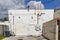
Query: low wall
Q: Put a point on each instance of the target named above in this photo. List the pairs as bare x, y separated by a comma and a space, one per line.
50, 30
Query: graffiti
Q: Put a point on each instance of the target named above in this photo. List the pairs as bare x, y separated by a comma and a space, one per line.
37, 28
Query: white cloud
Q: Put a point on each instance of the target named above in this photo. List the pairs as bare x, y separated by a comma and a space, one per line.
5, 5
33, 4
12, 4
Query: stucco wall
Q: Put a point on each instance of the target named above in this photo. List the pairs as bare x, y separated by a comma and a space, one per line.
50, 30
57, 13
24, 22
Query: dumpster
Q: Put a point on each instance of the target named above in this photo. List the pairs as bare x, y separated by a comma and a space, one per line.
7, 33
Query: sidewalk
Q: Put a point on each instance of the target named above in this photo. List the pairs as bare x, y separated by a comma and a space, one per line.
25, 38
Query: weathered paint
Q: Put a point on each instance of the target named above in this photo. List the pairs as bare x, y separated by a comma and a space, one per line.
25, 21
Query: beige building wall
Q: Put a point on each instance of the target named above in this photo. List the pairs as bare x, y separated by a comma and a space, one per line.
57, 13
50, 30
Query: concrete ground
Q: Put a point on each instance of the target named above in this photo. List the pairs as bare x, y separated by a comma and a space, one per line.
25, 38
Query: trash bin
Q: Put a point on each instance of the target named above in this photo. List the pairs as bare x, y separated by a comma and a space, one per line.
7, 33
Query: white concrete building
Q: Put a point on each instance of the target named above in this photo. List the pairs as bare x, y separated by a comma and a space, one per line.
24, 22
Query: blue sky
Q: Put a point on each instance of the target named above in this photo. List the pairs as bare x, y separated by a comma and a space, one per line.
49, 4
